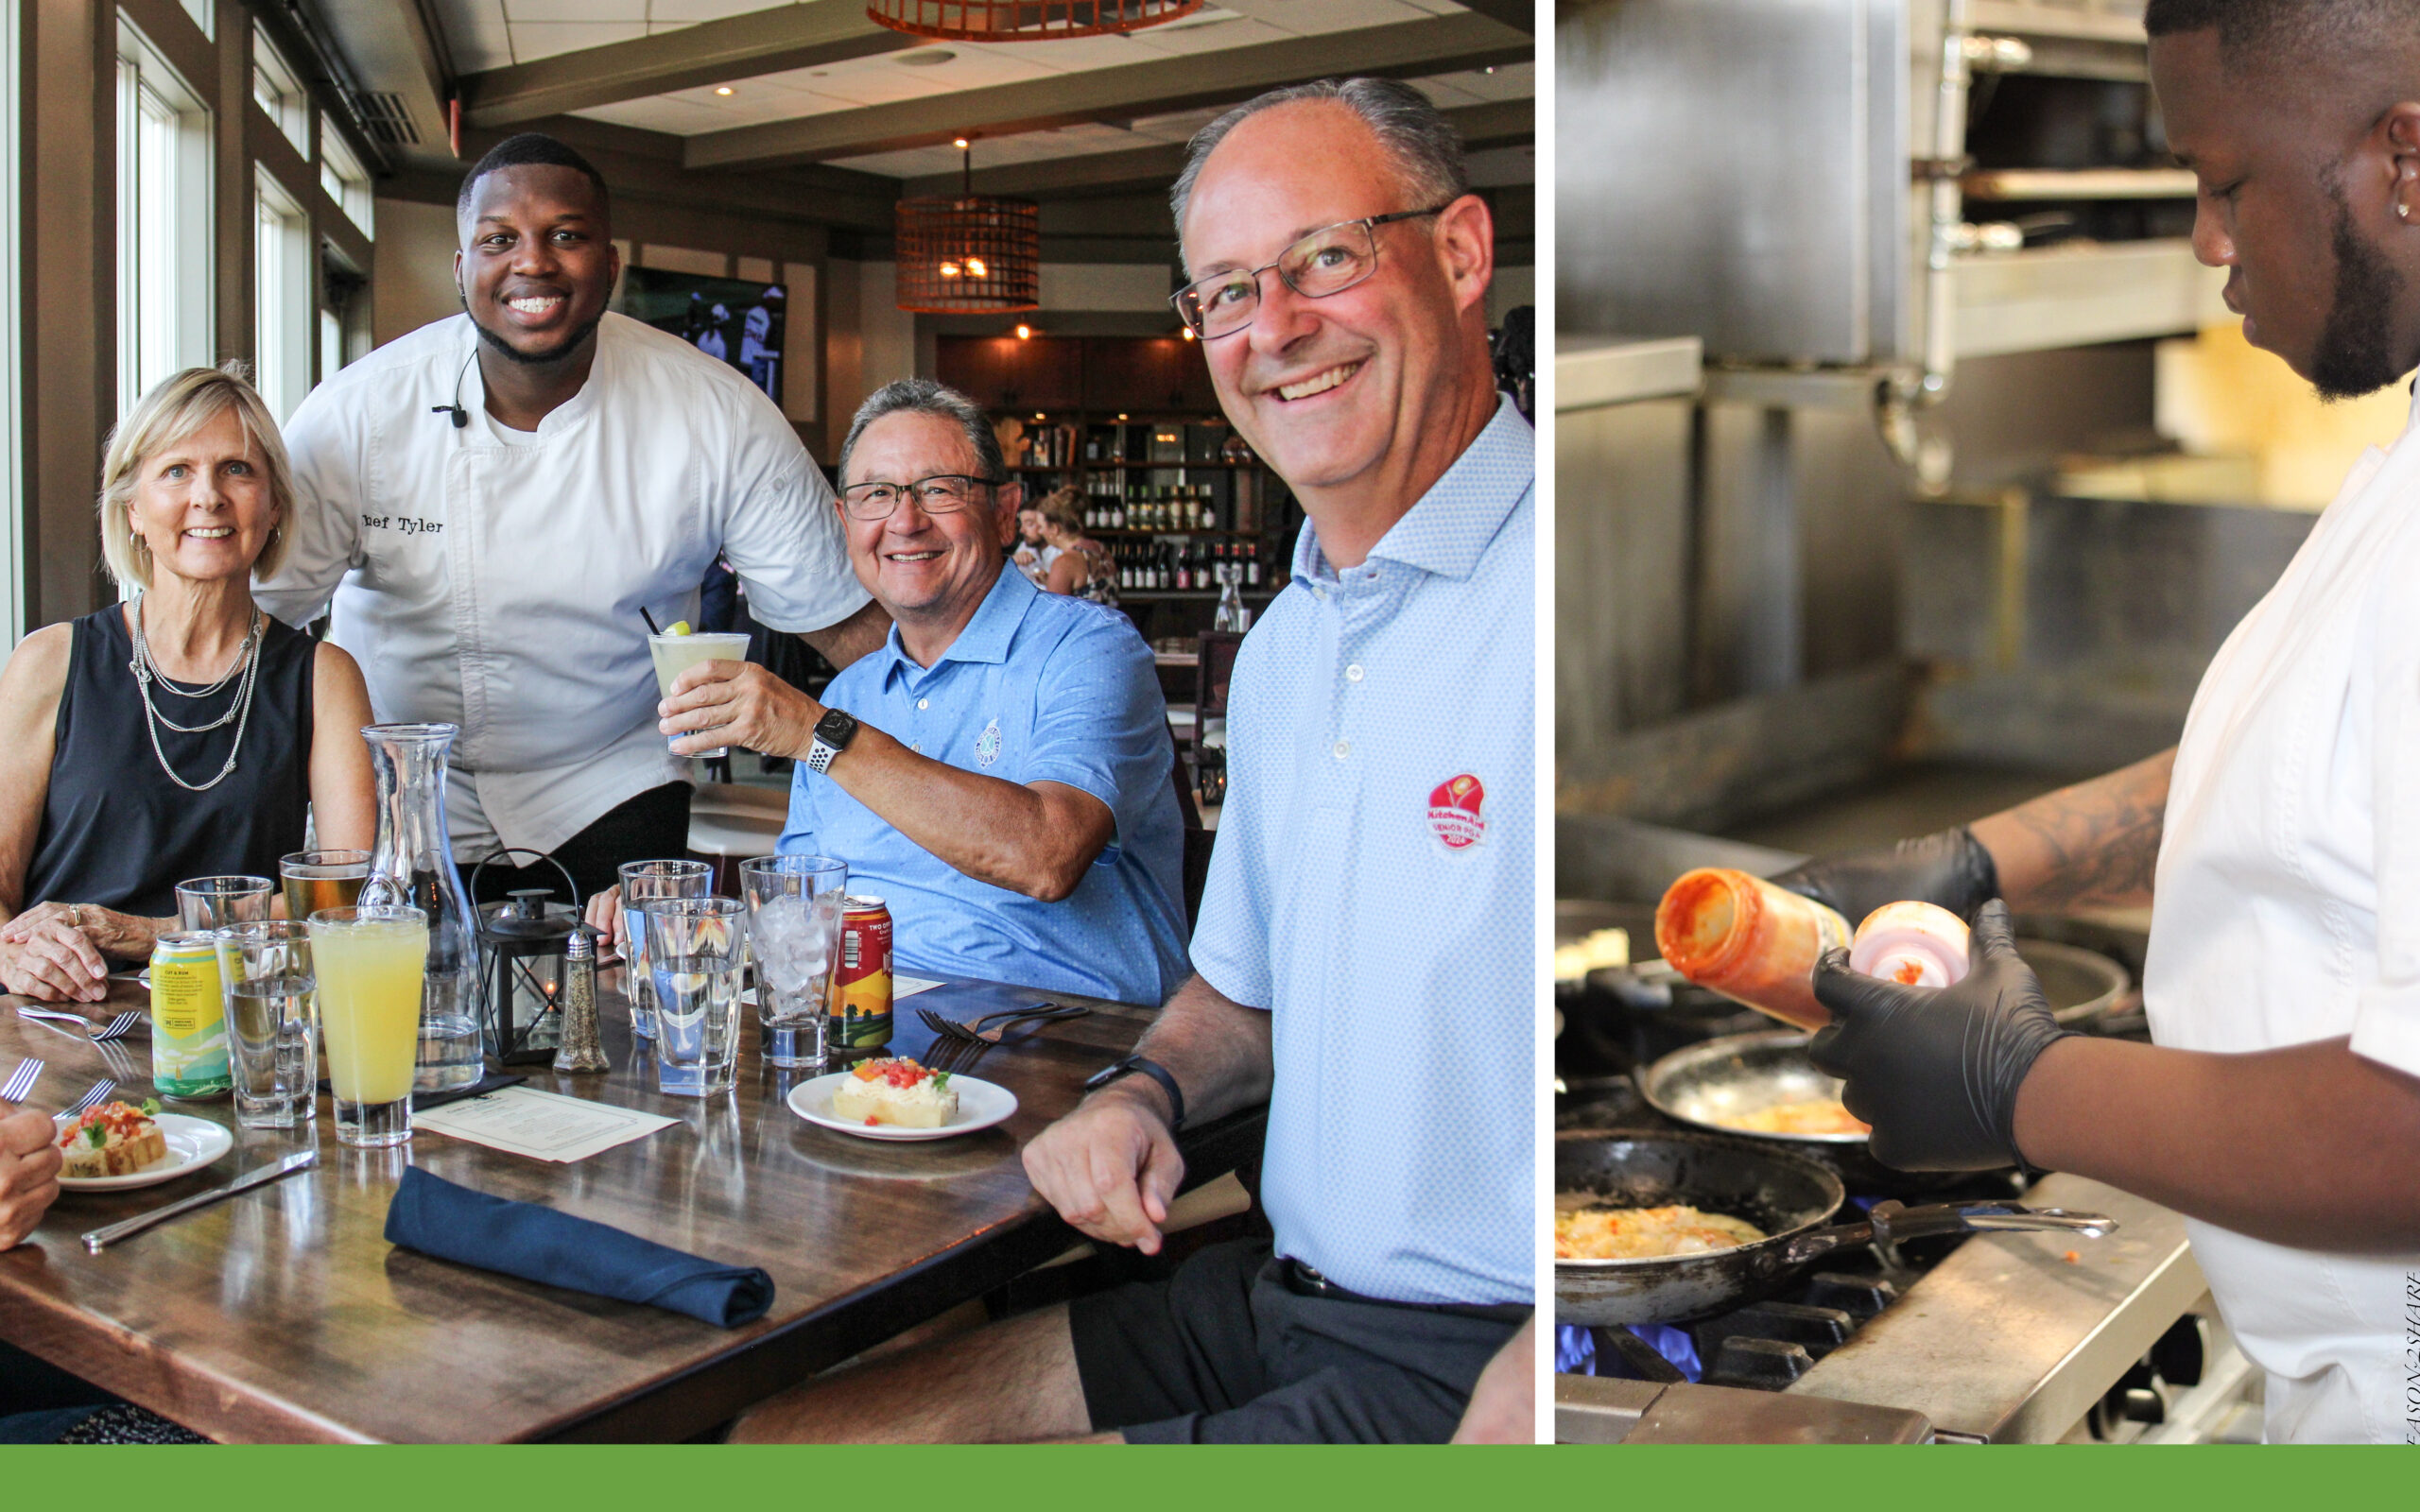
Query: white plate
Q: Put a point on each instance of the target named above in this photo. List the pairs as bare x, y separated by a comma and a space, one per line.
193, 1142
980, 1105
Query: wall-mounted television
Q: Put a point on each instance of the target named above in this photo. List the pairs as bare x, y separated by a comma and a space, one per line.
732, 320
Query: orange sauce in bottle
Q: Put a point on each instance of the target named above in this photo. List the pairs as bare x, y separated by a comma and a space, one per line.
1749, 940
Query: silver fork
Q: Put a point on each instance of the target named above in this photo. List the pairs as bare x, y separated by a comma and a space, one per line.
112, 1030
118, 1026
99, 1094
19, 1084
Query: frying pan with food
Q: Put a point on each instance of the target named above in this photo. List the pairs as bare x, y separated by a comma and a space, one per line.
1788, 1195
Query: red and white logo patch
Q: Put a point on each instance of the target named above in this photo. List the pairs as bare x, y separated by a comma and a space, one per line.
1454, 812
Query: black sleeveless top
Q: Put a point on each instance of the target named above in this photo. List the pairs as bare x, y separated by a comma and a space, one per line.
115, 832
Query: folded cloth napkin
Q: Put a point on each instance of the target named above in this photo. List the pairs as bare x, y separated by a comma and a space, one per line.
437, 1217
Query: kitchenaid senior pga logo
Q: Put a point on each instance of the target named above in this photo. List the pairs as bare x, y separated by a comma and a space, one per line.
1454, 814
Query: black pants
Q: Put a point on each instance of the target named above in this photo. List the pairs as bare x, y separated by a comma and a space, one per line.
1225, 1352
655, 826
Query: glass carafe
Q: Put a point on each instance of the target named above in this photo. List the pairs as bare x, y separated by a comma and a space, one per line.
412, 866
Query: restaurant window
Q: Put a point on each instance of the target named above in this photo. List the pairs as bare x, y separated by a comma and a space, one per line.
164, 220
344, 312
280, 298
12, 495
205, 15
280, 92
342, 177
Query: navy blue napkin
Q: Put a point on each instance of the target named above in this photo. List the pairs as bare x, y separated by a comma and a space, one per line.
437, 1217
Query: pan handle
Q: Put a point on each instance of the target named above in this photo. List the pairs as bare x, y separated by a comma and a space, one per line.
1893, 1222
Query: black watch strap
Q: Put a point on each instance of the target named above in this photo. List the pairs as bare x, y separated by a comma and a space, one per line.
1150, 1067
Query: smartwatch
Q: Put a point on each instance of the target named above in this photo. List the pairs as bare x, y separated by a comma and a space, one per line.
1150, 1067
833, 733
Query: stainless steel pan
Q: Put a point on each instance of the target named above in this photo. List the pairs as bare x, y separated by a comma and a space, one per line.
1789, 1197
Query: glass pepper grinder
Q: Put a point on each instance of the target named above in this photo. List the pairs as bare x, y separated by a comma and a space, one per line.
581, 1049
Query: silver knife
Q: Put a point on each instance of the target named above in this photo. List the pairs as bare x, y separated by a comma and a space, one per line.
101, 1239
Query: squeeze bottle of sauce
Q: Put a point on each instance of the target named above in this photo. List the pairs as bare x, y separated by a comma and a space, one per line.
1749, 940
1915, 944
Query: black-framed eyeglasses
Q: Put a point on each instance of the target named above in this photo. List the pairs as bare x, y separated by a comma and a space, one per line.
1328, 261
943, 493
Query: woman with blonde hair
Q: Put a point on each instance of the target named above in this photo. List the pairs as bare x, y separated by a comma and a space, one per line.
181, 734
1082, 568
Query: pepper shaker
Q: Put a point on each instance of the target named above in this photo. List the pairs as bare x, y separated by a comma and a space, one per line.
581, 1050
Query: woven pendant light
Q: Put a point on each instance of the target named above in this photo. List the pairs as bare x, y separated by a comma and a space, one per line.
1024, 19
975, 252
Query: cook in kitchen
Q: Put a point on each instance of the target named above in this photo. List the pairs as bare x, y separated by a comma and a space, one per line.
2278, 844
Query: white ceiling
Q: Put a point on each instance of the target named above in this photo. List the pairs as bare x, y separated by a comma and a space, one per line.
485, 34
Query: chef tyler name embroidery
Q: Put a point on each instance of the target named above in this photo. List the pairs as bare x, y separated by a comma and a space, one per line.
402, 523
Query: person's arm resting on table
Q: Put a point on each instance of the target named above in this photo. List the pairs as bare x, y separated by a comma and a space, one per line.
1111, 1167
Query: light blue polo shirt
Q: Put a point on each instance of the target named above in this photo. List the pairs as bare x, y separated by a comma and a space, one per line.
1038, 688
1374, 887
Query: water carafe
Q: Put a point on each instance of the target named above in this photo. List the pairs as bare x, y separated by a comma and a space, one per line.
413, 864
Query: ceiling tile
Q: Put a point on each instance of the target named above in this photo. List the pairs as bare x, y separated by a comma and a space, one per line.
1179, 42
533, 40
659, 116
1305, 17
518, 11
711, 9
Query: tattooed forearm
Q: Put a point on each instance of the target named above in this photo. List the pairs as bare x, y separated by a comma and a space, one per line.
2093, 844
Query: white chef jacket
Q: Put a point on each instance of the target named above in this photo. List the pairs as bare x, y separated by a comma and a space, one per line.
498, 586
2287, 910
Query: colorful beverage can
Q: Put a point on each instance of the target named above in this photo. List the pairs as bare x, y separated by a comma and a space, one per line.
188, 1018
861, 1015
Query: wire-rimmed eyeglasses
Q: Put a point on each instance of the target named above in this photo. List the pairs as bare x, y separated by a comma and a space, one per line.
942, 493
1328, 261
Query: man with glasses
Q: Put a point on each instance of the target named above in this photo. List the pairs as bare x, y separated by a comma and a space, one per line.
1364, 953
999, 773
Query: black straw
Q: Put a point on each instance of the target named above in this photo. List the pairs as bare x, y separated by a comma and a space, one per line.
651, 621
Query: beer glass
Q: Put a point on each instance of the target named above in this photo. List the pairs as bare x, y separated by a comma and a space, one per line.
315, 880
645, 881
372, 962
794, 905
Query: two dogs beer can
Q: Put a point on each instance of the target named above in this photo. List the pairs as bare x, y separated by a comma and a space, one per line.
189, 1018
861, 1017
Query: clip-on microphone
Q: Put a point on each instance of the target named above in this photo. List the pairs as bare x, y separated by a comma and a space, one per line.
461, 416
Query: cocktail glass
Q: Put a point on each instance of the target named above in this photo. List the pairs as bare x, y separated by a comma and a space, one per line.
215, 902
696, 949
794, 905
645, 881
676, 654
264, 969
370, 962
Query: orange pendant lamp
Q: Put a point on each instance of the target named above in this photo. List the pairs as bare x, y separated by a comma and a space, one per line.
1024, 19
972, 253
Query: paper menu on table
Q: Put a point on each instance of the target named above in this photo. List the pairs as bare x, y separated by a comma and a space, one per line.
907, 986
541, 1126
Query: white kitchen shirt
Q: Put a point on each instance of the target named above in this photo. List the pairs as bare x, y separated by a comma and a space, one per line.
2287, 910
498, 586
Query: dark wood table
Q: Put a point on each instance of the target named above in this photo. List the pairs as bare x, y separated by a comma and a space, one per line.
282, 1315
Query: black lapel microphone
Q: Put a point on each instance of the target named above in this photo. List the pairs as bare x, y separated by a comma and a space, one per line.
461, 416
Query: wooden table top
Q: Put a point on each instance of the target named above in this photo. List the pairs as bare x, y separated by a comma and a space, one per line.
282, 1315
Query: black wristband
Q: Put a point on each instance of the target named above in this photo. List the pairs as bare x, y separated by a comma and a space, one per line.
1150, 1067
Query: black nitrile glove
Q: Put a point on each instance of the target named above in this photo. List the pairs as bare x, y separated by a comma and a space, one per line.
1935, 1070
1950, 868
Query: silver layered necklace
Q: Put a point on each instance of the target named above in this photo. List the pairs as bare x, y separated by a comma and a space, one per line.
239, 711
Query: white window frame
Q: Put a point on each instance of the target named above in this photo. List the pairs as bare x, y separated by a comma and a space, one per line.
280, 92
12, 471
205, 15
282, 303
164, 219
343, 177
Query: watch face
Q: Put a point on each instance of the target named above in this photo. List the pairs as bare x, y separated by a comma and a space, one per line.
835, 729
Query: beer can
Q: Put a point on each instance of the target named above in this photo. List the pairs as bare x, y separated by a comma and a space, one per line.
861, 1018
188, 1018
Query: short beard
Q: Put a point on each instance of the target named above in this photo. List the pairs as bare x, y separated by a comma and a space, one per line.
535, 359
2356, 354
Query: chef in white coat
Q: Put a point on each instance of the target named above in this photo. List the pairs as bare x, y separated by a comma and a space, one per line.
2278, 845
500, 494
